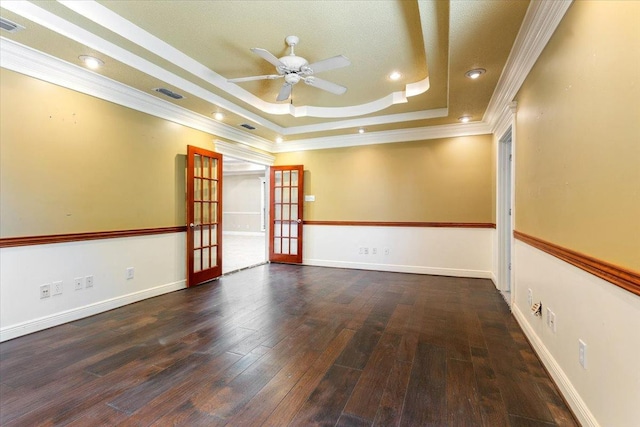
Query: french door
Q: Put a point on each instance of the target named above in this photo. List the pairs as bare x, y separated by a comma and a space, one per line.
285, 219
204, 215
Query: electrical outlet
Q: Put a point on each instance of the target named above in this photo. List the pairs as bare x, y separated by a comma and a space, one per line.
77, 283
529, 297
582, 353
548, 317
45, 291
361, 250
57, 288
130, 273
366, 251
386, 251
88, 282
552, 322
374, 251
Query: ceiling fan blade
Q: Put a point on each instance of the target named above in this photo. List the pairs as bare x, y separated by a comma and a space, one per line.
249, 79
329, 64
325, 85
285, 92
268, 56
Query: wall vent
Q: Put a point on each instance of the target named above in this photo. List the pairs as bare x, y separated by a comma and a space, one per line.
247, 126
169, 93
10, 26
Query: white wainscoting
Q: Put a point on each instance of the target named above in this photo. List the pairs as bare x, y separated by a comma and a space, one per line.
461, 252
159, 262
604, 316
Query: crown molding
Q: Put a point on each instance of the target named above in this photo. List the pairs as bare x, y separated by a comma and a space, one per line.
242, 152
539, 24
33, 63
386, 137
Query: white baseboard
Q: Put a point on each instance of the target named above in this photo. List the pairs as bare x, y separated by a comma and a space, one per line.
579, 407
453, 272
46, 322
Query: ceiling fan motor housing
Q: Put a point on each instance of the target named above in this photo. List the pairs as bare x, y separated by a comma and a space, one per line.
292, 64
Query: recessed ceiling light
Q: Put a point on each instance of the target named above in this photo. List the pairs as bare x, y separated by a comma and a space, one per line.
475, 73
395, 75
91, 62
218, 116
361, 130
464, 119
279, 140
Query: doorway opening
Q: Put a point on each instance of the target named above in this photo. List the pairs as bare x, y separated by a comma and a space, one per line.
243, 216
505, 215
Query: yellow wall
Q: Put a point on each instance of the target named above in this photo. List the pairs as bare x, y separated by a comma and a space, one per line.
440, 180
578, 135
73, 163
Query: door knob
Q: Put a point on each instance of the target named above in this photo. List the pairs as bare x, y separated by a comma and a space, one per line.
299, 221
192, 225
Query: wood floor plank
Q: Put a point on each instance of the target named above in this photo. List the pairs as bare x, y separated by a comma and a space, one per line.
463, 403
492, 406
367, 394
391, 405
425, 402
325, 404
287, 409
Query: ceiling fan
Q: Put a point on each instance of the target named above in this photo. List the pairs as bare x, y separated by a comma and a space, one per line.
294, 68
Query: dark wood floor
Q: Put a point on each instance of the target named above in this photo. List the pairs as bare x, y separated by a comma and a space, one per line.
287, 345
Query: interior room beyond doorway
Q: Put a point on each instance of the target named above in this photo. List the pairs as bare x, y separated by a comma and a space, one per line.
243, 214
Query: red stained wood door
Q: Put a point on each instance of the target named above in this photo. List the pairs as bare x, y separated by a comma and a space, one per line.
285, 219
204, 215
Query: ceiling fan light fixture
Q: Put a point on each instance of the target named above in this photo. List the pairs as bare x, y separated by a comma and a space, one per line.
465, 119
395, 75
361, 130
91, 62
279, 140
218, 116
475, 73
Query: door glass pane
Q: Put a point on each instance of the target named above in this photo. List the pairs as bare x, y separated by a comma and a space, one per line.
294, 194
197, 189
294, 247
278, 180
214, 191
285, 195
214, 234
197, 240
197, 165
285, 246
206, 170
206, 195
197, 260
214, 213
286, 180
277, 245
294, 178
277, 229
277, 195
285, 212
206, 231
206, 260
294, 212
294, 229
206, 207
214, 168
278, 211
285, 229
197, 209
214, 256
